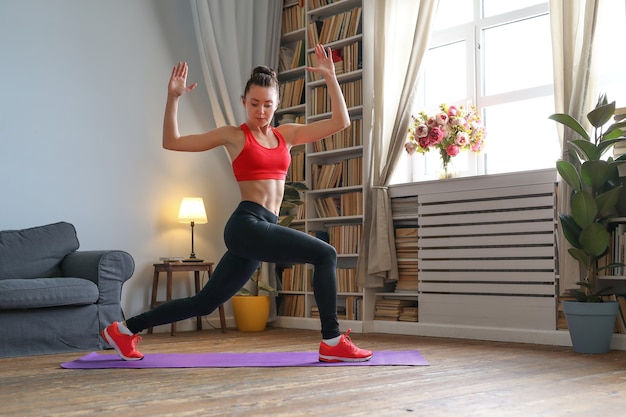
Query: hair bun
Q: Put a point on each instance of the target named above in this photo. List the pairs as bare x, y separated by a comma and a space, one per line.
262, 69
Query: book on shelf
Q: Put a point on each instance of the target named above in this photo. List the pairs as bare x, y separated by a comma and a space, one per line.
284, 281
392, 309
345, 204
353, 308
320, 101
346, 138
407, 283
351, 204
336, 27
312, 32
346, 173
298, 118
345, 238
409, 314
291, 93
406, 254
293, 16
296, 169
327, 207
616, 253
341, 312
292, 279
346, 280
291, 56
316, 4
291, 305
404, 206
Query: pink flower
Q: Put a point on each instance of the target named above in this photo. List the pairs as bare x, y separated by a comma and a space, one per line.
410, 148
453, 150
452, 111
421, 131
424, 142
441, 118
436, 135
477, 146
461, 139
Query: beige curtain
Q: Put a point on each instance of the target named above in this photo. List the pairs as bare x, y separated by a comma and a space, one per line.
396, 63
234, 37
573, 26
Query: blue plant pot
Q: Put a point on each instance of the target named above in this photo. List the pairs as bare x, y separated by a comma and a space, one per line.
591, 325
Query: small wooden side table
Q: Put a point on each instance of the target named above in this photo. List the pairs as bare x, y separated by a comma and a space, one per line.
169, 268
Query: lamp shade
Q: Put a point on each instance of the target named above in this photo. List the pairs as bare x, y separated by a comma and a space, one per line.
192, 210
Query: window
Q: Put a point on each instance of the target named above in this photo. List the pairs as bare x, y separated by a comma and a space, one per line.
611, 59
497, 56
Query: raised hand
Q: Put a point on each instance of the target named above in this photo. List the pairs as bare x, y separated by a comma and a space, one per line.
324, 58
178, 81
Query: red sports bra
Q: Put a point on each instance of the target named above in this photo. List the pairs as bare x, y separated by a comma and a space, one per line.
256, 162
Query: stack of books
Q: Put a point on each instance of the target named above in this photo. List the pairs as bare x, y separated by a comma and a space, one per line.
391, 310
404, 206
406, 253
409, 314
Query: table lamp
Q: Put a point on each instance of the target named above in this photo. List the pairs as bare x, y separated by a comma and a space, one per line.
192, 211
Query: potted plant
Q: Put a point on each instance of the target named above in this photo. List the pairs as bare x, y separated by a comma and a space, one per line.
251, 304
595, 194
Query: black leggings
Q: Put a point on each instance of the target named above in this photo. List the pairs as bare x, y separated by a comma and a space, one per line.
251, 236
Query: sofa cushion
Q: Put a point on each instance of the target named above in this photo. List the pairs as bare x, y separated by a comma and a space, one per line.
36, 252
46, 292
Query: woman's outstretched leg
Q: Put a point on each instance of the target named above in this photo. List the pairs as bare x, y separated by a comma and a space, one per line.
230, 274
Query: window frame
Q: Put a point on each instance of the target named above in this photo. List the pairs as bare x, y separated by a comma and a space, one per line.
472, 33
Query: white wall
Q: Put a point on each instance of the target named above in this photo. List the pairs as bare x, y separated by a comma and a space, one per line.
82, 92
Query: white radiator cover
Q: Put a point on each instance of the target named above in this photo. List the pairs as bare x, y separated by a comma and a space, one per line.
487, 252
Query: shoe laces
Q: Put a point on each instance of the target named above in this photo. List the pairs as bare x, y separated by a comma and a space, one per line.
347, 337
134, 340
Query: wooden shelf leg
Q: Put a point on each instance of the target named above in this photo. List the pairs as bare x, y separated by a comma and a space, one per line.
168, 297
155, 288
196, 276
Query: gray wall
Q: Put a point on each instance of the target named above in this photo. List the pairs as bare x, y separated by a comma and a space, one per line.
82, 93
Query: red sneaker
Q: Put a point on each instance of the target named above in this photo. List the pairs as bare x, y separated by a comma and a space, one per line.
122, 343
345, 351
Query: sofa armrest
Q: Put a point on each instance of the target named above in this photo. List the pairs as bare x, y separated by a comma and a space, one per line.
108, 269
99, 266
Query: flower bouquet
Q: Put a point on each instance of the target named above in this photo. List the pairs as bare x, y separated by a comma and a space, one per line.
450, 131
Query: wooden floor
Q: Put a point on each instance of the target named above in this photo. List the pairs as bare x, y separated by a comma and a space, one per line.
465, 378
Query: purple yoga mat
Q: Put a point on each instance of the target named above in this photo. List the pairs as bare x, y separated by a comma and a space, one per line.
96, 360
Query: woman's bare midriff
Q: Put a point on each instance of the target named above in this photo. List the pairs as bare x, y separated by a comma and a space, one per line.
268, 193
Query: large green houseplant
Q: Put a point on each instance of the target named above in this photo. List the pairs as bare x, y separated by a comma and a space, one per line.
596, 188
596, 191
251, 308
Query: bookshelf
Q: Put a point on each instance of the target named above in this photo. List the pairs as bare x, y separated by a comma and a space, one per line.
333, 168
615, 278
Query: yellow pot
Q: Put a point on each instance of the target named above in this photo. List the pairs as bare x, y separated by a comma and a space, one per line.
251, 312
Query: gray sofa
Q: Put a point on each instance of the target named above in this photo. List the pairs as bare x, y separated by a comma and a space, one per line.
54, 298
